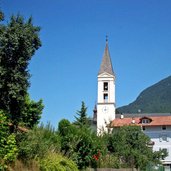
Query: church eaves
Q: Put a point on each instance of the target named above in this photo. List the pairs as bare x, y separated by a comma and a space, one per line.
106, 65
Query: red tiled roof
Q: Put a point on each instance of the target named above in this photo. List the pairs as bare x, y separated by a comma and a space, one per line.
155, 121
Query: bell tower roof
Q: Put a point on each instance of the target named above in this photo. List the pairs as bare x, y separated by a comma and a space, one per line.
106, 64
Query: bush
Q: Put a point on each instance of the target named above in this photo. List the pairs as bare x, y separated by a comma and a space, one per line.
8, 148
38, 142
57, 162
80, 144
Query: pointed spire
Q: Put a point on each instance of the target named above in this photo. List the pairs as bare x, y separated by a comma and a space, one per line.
106, 65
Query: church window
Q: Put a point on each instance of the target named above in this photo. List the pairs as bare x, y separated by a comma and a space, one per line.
105, 86
105, 97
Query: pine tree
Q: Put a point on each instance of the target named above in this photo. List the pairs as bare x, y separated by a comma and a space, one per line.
82, 119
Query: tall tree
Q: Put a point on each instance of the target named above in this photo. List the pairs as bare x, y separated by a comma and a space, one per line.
19, 40
82, 118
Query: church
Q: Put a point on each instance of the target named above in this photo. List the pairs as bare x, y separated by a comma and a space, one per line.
155, 125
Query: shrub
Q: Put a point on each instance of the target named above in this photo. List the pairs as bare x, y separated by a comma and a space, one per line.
57, 162
80, 144
37, 142
8, 147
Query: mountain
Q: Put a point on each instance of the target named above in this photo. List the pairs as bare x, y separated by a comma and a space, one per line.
154, 99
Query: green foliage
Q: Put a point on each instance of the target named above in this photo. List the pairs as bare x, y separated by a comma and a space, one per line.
129, 144
57, 162
159, 155
64, 127
89, 149
154, 99
38, 142
3, 126
82, 118
109, 160
8, 148
18, 42
31, 112
69, 137
81, 145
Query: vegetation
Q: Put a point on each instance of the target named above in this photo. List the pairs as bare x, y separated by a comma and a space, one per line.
155, 99
37, 143
82, 145
57, 162
18, 42
25, 145
82, 118
8, 148
130, 145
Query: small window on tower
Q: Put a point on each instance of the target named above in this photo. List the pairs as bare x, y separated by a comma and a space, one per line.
105, 86
105, 97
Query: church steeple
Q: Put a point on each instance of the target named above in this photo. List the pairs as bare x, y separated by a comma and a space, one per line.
105, 93
106, 65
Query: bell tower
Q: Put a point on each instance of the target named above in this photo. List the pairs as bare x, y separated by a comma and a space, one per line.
106, 93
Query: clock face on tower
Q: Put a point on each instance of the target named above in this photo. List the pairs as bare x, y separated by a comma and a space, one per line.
105, 109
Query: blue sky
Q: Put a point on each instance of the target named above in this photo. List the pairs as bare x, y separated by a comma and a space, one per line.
64, 70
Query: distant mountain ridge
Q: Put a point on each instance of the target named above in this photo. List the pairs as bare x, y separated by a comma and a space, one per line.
154, 99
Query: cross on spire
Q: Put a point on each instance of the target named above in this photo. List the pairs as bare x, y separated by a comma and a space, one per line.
106, 38
106, 65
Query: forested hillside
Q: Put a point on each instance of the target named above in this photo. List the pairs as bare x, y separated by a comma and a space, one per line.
154, 99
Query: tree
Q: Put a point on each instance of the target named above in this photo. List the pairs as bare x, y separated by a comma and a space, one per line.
130, 145
81, 145
64, 127
69, 137
82, 119
18, 42
88, 148
31, 112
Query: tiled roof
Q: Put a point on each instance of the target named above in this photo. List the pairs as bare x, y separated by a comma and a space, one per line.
106, 65
136, 115
154, 121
